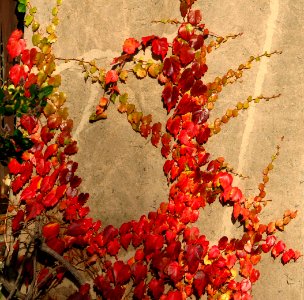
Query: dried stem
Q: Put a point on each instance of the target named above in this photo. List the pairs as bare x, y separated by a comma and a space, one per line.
64, 262
10, 287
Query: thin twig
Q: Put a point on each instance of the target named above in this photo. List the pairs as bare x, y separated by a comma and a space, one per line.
9, 287
16, 285
64, 262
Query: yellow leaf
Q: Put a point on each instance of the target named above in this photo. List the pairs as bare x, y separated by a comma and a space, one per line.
123, 75
49, 109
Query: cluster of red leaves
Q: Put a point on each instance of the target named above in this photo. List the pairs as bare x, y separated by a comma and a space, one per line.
172, 259
168, 249
16, 47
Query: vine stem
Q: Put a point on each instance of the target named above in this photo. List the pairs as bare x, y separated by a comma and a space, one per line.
72, 59
16, 285
64, 262
11, 287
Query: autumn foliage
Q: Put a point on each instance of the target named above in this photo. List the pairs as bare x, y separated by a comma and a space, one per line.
170, 259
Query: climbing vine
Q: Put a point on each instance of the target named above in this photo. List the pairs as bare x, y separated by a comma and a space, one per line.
49, 235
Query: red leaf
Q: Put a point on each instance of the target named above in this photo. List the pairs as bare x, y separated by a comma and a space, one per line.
198, 69
183, 8
199, 283
194, 17
167, 166
270, 240
160, 47
49, 181
17, 184
170, 96
139, 254
122, 272
139, 272
186, 54
50, 151
14, 166
50, 230
287, 256
46, 134
28, 57
60, 191
174, 295
222, 244
56, 244
235, 194
236, 210
186, 80
125, 228
130, 46
197, 41
153, 242
35, 210
198, 89
109, 233
140, 290
50, 199
111, 76
125, 240
174, 271
79, 227
156, 287
223, 179
184, 138
18, 220
278, 249
43, 277
30, 123
15, 43
18, 74
171, 67
31, 190
245, 285
173, 248
156, 128
193, 255
147, 39
54, 121
203, 135
214, 252
71, 148
120, 59
75, 182
185, 31
43, 167
173, 125
32, 79
113, 247
165, 150
200, 116
254, 276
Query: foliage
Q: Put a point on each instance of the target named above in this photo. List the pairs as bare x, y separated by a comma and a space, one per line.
49, 215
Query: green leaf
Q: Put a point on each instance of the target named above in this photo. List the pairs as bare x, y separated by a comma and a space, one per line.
44, 92
21, 8
28, 20
33, 10
113, 97
123, 99
36, 39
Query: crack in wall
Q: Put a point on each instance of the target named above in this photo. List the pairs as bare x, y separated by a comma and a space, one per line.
262, 71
